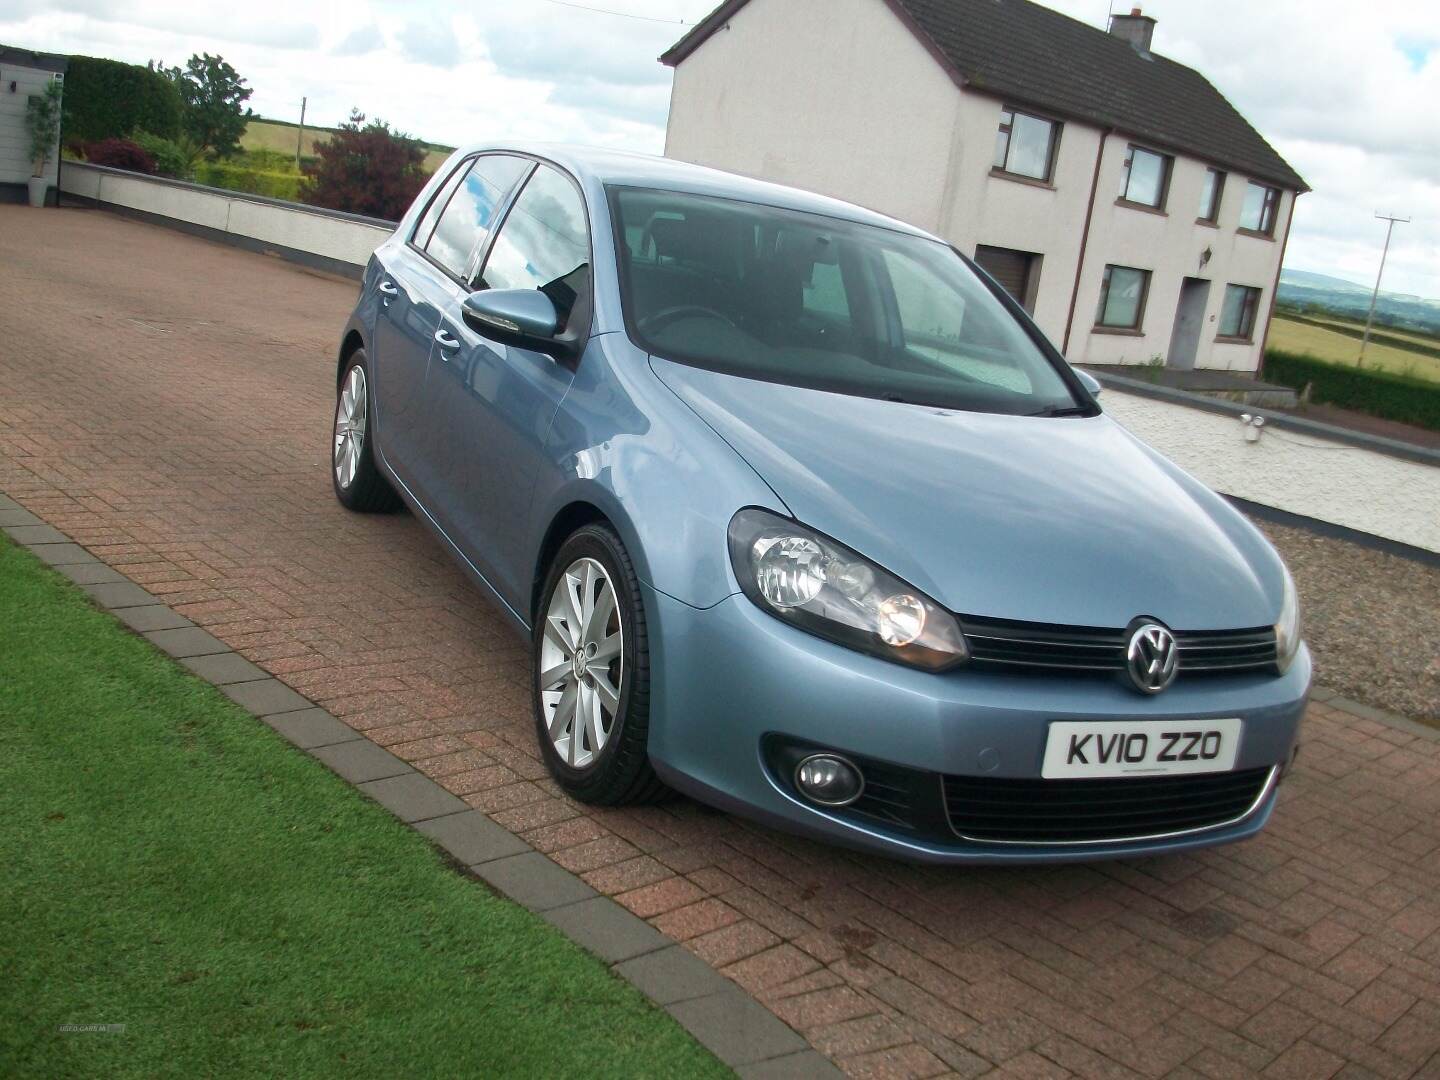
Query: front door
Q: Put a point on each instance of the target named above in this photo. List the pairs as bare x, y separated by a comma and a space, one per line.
501, 399
1189, 320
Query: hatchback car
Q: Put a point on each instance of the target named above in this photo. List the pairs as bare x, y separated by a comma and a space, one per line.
804, 517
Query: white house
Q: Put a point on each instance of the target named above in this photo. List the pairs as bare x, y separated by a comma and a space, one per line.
1117, 194
22, 74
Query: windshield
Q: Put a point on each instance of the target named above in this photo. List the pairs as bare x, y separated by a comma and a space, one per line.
820, 302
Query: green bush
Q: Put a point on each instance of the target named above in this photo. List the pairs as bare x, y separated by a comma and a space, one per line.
105, 99
171, 158
240, 177
267, 160
1379, 393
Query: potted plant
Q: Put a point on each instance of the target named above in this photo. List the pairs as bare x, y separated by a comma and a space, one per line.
42, 121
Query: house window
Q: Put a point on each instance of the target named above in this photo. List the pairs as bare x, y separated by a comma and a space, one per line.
1017, 272
1210, 196
1025, 145
1146, 178
1261, 205
1122, 298
1237, 316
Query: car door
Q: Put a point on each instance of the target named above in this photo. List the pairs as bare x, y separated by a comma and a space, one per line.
502, 398
438, 268
405, 327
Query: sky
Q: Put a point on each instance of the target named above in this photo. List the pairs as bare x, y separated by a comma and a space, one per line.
1348, 92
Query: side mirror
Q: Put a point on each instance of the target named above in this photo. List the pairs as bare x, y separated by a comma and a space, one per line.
524, 317
1090, 382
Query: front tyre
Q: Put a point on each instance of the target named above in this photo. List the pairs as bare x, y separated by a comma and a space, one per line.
591, 667
353, 472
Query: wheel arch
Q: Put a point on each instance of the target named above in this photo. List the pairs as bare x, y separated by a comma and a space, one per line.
352, 343
566, 521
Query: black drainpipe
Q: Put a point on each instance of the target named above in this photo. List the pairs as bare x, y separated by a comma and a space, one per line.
1085, 236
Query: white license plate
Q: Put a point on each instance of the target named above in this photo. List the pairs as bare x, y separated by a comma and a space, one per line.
1140, 747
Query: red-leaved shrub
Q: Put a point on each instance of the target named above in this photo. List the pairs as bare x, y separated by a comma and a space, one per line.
120, 154
366, 169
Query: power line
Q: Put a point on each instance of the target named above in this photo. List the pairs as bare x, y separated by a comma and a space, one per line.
621, 14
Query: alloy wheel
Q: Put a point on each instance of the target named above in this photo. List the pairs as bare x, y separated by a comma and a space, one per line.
581, 663
350, 414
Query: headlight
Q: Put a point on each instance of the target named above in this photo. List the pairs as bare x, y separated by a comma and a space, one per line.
1287, 627
807, 579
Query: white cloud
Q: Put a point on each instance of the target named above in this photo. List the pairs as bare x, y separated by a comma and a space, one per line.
1345, 90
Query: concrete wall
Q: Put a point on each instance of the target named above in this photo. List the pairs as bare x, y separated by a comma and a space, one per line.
15, 164
1358, 488
330, 240
838, 96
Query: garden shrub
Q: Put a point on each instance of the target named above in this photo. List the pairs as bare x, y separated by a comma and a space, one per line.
1379, 393
242, 177
107, 99
171, 158
120, 154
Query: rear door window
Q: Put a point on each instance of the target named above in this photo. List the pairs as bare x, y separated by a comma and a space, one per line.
426, 228
470, 214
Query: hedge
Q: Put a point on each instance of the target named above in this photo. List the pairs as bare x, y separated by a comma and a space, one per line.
105, 99
1379, 393
223, 174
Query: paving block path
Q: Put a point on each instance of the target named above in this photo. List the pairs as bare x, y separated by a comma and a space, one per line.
165, 403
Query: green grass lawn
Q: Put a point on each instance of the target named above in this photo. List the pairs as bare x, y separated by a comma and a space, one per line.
170, 864
1289, 335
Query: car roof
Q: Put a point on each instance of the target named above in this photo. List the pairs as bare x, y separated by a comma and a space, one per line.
625, 168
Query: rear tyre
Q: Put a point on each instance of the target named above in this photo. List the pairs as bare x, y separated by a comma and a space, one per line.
353, 472
591, 674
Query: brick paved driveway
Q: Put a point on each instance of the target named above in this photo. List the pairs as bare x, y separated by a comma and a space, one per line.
167, 402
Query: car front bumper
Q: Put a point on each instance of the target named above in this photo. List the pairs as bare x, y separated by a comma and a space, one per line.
730, 682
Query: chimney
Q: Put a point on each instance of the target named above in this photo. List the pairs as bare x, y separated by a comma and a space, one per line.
1136, 28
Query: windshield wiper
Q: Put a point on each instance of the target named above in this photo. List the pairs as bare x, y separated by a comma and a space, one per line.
1062, 410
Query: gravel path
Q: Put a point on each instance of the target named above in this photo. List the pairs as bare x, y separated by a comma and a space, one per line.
1372, 621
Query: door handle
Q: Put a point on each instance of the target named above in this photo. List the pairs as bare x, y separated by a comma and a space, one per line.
387, 288
446, 339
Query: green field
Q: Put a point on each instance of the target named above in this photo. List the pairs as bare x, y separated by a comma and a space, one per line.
279, 135
1291, 336
185, 894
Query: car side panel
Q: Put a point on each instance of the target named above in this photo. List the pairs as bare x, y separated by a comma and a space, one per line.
624, 443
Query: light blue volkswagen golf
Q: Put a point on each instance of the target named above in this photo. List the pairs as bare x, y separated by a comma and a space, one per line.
805, 518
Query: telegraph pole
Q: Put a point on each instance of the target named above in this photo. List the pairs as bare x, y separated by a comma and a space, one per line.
300, 137
1370, 319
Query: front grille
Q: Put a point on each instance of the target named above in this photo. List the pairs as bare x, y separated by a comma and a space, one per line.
1027, 811
1005, 645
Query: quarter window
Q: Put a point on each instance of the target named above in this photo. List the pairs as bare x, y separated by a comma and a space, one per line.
468, 217
1210, 196
1122, 298
1237, 316
1261, 205
1025, 145
544, 244
1146, 177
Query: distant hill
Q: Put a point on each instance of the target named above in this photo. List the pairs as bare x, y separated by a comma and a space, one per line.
1305, 290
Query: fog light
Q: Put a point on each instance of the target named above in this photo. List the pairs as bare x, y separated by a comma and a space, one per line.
829, 780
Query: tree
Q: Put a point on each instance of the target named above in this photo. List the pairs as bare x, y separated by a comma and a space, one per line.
42, 123
365, 168
214, 97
